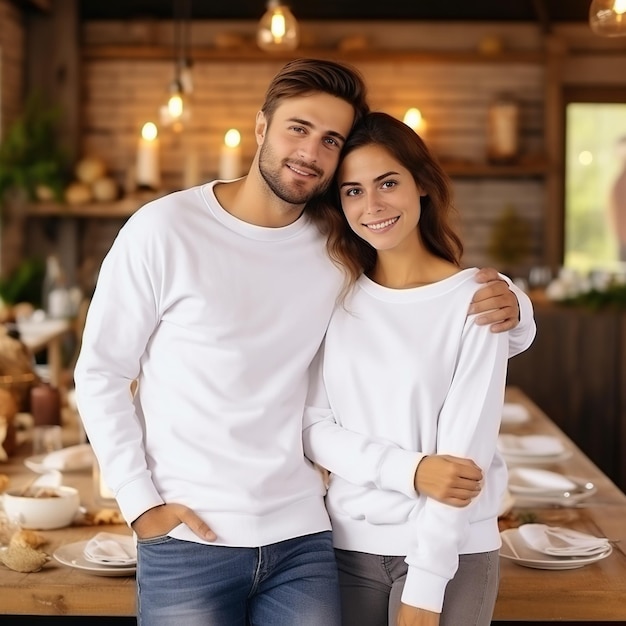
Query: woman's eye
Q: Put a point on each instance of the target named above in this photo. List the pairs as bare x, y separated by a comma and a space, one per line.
388, 184
353, 192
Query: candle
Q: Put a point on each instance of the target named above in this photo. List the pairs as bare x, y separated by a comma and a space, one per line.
147, 173
413, 118
230, 156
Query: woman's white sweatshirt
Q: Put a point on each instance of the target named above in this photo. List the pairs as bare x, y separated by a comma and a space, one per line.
402, 374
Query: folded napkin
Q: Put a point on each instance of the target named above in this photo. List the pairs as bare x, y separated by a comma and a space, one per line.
70, 458
514, 413
529, 445
558, 541
111, 549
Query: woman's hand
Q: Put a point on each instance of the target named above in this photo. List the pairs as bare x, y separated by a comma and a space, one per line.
448, 479
496, 301
159, 520
414, 616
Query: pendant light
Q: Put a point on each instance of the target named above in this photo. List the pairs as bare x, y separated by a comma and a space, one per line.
177, 110
278, 28
607, 18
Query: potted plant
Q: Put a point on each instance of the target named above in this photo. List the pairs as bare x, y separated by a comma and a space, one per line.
30, 160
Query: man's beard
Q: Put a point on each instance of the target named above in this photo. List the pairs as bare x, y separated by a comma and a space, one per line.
292, 194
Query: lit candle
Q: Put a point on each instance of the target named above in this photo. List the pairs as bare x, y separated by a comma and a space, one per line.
230, 156
413, 118
148, 174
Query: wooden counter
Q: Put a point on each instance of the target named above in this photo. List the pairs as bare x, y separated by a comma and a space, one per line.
595, 593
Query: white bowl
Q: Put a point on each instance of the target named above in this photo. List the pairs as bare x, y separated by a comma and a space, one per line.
42, 513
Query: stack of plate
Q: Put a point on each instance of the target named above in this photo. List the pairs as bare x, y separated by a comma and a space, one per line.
552, 547
532, 449
530, 486
106, 554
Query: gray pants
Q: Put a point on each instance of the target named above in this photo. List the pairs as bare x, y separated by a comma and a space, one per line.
371, 588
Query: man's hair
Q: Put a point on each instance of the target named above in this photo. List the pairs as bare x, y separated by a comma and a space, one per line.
305, 76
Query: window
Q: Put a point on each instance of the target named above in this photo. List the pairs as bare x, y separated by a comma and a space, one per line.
595, 183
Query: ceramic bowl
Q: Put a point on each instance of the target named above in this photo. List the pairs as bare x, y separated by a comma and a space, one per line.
55, 509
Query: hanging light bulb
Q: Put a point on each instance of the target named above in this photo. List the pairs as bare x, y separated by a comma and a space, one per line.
176, 112
278, 28
607, 18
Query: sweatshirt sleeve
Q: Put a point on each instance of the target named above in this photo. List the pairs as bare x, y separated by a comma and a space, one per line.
522, 336
121, 318
468, 427
380, 464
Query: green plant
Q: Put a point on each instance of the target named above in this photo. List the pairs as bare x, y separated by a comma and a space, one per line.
510, 240
30, 155
25, 284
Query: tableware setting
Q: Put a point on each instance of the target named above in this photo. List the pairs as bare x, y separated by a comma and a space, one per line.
535, 450
540, 546
538, 486
514, 413
70, 459
105, 554
41, 507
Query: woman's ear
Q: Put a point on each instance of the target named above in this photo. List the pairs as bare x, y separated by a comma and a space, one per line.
260, 127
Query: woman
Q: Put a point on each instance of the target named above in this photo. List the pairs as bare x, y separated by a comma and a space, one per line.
405, 373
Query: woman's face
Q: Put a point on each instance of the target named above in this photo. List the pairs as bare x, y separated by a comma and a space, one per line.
379, 198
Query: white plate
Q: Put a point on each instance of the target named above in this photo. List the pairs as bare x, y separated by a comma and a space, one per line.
529, 445
514, 460
513, 413
527, 480
515, 549
72, 555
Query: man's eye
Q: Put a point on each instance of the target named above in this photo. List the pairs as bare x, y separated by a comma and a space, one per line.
332, 141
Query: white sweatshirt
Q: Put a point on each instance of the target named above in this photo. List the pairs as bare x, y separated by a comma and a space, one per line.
218, 319
405, 373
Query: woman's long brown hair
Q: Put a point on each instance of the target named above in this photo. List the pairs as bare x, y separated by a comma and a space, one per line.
353, 254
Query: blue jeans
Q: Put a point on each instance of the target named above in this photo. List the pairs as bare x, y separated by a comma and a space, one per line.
290, 583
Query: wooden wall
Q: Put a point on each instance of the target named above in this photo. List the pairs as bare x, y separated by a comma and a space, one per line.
11, 63
120, 94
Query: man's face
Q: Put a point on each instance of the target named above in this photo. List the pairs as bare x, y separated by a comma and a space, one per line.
300, 146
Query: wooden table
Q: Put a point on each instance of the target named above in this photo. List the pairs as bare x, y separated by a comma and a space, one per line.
595, 593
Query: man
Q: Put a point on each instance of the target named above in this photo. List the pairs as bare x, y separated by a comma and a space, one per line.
215, 300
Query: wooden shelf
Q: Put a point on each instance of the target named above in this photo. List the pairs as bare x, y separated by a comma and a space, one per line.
117, 209
531, 168
153, 52
525, 168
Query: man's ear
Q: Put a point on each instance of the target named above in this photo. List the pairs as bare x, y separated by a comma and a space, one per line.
260, 127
